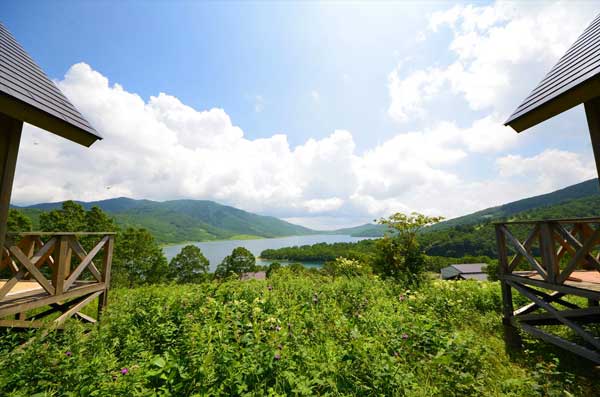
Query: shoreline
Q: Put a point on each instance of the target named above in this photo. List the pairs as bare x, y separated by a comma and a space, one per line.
248, 237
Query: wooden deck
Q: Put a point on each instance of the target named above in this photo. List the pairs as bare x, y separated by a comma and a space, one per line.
69, 289
22, 287
581, 279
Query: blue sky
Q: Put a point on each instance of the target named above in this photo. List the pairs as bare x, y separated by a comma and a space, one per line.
212, 54
417, 92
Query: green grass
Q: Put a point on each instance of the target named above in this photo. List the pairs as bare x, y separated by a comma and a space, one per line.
292, 335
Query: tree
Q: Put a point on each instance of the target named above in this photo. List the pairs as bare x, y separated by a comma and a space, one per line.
18, 222
70, 218
398, 254
273, 267
189, 265
138, 259
240, 261
97, 220
345, 267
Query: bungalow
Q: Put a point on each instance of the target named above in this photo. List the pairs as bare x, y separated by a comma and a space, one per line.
253, 276
474, 271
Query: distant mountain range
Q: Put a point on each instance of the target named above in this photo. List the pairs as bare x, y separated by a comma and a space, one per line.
185, 220
537, 204
474, 234
178, 221
579, 200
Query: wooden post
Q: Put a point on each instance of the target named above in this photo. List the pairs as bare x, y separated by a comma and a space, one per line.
10, 137
106, 269
548, 252
592, 113
512, 338
61, 264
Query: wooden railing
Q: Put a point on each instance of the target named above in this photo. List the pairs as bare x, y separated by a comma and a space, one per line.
53, 269
561, 259
552, 248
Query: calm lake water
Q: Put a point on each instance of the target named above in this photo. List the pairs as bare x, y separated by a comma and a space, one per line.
215, 251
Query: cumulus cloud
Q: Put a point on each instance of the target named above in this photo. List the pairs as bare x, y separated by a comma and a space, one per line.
160, 148
499, 51
548, 170
163, 149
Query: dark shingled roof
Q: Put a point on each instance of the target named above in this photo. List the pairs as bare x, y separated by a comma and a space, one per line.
470, 268
573, 80
27, 94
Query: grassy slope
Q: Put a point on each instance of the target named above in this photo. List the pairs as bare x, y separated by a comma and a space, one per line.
360, 336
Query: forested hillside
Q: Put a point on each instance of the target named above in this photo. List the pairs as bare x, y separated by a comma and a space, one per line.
468, 238
587, 189
479, 238
184, 220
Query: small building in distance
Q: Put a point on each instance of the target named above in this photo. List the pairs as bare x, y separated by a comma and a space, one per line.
253, 276
472, 271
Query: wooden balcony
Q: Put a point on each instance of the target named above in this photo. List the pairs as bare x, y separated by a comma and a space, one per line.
51, 277
562, 261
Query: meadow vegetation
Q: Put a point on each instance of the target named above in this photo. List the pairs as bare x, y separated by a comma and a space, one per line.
360, 326
293, 334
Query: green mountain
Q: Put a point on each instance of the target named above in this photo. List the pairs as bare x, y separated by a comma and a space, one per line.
366, 230
474, 234
590, 188
185, 220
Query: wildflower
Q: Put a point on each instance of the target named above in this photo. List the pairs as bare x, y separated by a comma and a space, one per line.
405, 336
402, 297
124, 371
289, 325
270, 288
279, 346
277, 357
396, 354
278, 328
68, 354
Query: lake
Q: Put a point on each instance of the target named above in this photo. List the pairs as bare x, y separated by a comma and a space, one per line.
215, 251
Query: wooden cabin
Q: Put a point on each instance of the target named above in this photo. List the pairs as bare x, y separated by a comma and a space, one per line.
44, 277
562, 282
469, 271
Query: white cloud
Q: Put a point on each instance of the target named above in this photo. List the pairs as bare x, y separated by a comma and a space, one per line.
408, 95
163, 149
500, 52
548, 170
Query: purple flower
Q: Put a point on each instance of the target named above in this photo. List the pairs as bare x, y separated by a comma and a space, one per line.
124, 371
402, 297
277, 357
404, 336
270, 288
68, 354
